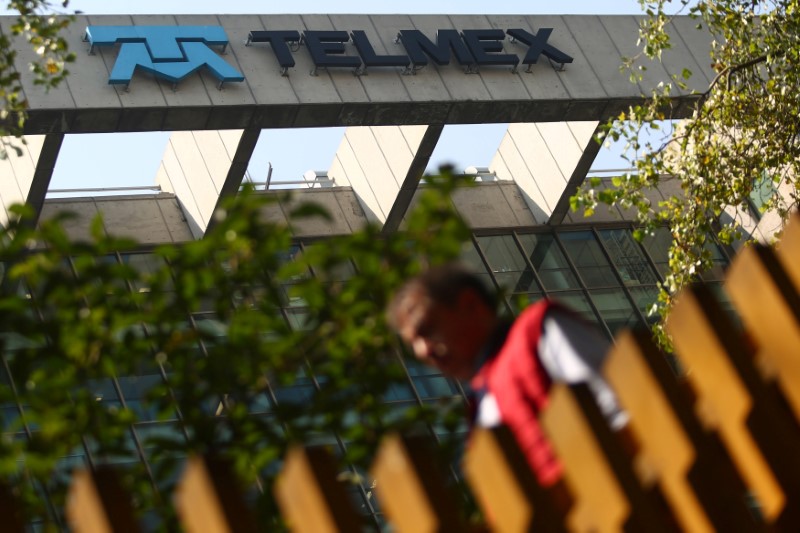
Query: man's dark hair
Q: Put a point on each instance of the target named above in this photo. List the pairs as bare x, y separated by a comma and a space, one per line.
443, 284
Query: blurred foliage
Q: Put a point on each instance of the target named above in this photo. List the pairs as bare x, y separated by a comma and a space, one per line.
743, 132
208, 320
40, 27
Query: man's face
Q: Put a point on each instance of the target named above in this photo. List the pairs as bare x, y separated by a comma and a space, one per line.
439, 334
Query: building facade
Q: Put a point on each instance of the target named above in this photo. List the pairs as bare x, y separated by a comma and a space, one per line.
218, 82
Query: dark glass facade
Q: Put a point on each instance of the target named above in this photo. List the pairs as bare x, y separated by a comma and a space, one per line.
601, 272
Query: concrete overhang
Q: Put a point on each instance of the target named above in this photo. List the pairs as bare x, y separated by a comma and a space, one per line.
590, 88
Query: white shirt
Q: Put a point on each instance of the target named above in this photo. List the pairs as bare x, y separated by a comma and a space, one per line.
571, 352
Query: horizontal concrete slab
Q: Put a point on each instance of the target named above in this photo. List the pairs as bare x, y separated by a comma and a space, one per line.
272, 95
155, 219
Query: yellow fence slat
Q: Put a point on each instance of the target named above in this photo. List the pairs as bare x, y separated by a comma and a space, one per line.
788, 249
757, 430
673, 450
508, 493
769, 305
97, 503
606, 494
410, 488
311, 498
208, 498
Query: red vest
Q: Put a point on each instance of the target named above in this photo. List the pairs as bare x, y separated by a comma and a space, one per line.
520, 386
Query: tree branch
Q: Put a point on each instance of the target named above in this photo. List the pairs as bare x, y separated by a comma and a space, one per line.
729, 70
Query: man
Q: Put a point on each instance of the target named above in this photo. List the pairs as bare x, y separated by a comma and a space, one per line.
449, 319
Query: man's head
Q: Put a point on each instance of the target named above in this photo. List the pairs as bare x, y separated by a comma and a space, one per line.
445, 315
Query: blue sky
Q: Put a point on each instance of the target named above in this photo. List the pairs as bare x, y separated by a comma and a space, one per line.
114, 160
357, 6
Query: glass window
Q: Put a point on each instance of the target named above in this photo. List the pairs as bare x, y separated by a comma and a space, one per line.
434, 386
429, 382
147, 265
615, 309
66, 466
298, 319
627, 256
473, 262
209, 325
520, 301
549, 262
507, 263
398, 411
588, 258
104, 392
417, 368
340, 272
259, 403
9, 412
135, 390
578, 302
657, 247
719, 263
13, 341
154, 438
291, 299
644, 298
298, 394
289, 256
398, 392
251, 296
762, 192
314, 437
83, 267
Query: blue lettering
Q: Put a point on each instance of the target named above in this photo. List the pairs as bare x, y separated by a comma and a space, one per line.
372, 59
419, 47
537, 44
485, 46
327, 49
279, 40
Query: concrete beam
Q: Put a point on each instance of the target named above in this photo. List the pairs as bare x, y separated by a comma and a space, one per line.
45, 166
413, 177
590, 152
236, 172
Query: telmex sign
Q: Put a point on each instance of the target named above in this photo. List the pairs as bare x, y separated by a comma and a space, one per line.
174, 52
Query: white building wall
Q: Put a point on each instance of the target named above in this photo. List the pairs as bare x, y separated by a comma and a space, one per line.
194, 167
17, 172
540, 158
374, 161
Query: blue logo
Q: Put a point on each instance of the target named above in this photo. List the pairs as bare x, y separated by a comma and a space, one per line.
169, 52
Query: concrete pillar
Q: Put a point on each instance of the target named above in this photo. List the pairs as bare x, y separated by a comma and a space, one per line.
18, 172
541, 158
195, 167
375, 161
